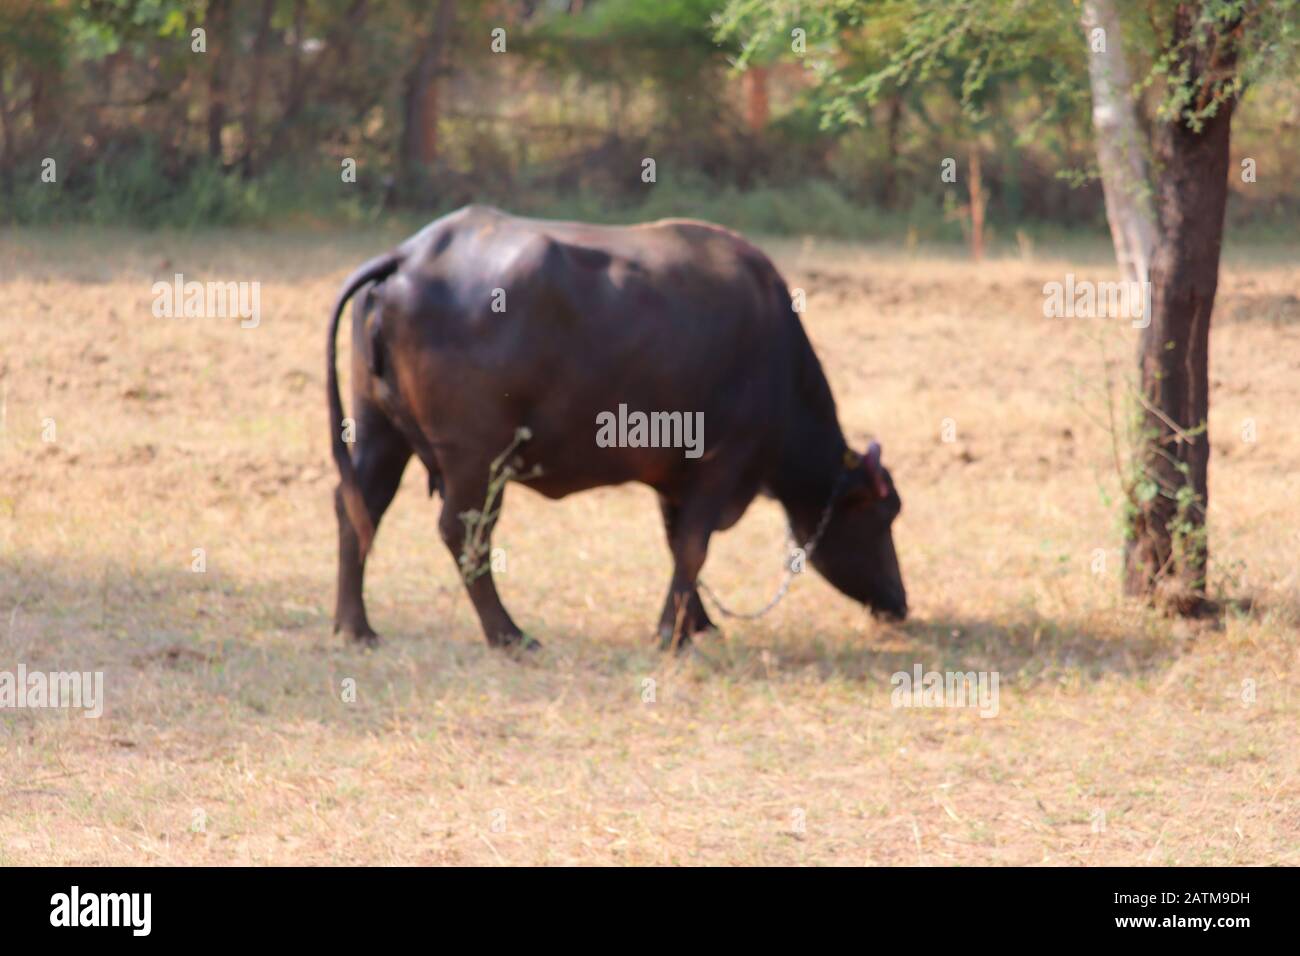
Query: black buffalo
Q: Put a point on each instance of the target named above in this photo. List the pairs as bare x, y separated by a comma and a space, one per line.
487, 333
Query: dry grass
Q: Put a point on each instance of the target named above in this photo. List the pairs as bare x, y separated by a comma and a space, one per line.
224, 688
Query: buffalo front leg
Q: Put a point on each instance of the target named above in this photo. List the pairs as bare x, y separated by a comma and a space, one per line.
468, 517
689, 528
379, 457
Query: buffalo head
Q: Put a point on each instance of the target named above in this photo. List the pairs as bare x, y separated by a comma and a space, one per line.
856, 552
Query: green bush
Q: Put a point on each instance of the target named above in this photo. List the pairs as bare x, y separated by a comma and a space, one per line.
135, 187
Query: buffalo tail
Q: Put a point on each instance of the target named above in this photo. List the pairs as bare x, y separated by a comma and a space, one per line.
375, 270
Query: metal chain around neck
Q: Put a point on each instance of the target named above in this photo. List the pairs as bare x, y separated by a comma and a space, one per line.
790, 572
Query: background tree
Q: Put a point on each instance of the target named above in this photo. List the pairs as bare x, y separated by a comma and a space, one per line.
1121, 146
839, 139
420, 115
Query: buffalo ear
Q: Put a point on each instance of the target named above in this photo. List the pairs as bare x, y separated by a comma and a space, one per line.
874, 472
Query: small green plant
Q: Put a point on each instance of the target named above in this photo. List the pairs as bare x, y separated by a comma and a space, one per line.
475, 553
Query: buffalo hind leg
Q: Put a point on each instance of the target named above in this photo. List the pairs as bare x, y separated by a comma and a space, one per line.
689, 528
379, 458
465, 490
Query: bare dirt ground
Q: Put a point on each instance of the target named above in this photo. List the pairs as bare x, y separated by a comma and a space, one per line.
1121, 737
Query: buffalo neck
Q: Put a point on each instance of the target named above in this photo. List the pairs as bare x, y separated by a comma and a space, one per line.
812, 446
805, 476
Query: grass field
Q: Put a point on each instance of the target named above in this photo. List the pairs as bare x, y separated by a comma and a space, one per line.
1121, 737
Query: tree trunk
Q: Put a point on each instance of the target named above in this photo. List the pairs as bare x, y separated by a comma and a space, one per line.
757, 109
217, 24
1120, 156
420, 130
6, 135
292, 90
977, 205
45, 82
5, 141
894, 123
328, 61
1167, 552
251, 122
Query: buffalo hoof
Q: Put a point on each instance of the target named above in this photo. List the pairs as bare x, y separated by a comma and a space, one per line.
682, 642
519, 646
364, 638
